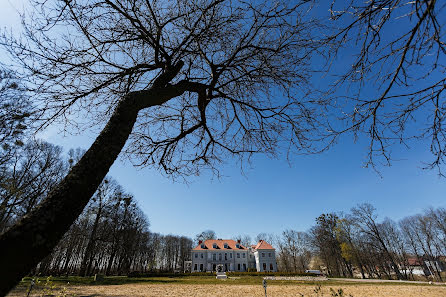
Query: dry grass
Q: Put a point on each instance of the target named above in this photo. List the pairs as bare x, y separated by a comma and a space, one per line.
306, 290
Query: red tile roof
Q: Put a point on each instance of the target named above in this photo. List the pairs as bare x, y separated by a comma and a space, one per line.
414, 261
209, 245
263, 245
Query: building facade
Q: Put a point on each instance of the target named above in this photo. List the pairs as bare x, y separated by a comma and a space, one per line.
233, 256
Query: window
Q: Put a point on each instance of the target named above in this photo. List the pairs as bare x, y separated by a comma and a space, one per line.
263, 255
203, 246
226, 256
271, 267
214, 245
219, 256
237, 245
226, 245
264, 266
201, 267
195, 267
230, 255
238, 256
238, 267
214, 256
250, 256
244, 255
269, 255
244, 267
202, 255
196, 255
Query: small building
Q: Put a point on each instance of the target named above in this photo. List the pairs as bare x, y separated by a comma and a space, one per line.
416, 266
232, 256
423, 267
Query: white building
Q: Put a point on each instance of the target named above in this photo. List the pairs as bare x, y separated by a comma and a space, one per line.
233, 256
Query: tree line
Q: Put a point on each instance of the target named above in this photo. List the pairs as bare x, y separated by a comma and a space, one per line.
112, 237
357, 244
112, 234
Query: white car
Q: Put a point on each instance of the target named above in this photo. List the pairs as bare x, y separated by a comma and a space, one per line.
317, 272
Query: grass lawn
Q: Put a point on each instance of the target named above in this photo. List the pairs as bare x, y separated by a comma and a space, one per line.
209, 286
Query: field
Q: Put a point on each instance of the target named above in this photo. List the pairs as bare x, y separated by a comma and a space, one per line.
209, 286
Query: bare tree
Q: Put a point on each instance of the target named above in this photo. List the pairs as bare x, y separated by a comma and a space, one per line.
365, 216
32, 171
102, 198
205, 235
294, 250
347, 235
393, 83
327, 245
268, 237
245, 240
112, 237
193, 82
201, 79
15, 111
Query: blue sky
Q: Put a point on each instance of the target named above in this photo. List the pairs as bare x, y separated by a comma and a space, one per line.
273, 195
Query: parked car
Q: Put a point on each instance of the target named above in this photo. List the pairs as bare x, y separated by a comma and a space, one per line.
317, 272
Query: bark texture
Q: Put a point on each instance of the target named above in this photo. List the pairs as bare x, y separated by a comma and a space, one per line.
24, 245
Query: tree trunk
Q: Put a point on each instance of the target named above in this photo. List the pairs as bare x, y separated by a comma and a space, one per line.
90, 244
29, 241
24, 245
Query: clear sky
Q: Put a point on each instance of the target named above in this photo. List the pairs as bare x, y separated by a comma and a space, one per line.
272, 195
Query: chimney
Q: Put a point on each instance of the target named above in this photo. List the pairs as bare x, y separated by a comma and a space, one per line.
200, 242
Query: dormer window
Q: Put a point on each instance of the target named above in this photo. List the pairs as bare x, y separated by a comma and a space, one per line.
214, 245
237, 245
203, 246
226, 245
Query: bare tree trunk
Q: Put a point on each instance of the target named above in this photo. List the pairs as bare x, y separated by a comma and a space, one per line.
91, 242
25, 244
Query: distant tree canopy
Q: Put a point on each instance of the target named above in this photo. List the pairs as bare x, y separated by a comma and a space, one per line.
358, 244
33, 170
205, 235
15, 112
112, 237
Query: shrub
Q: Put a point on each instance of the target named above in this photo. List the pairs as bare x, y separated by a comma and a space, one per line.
167, 274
